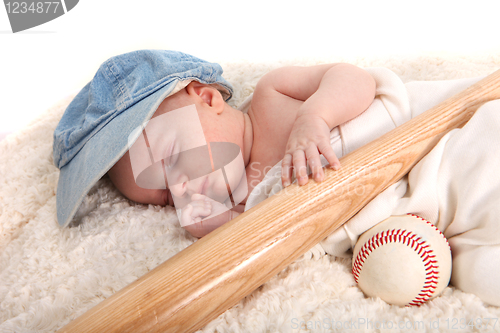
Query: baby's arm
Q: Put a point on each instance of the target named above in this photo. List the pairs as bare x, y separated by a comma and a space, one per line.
332, 95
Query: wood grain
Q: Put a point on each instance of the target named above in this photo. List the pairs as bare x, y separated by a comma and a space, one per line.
201, 282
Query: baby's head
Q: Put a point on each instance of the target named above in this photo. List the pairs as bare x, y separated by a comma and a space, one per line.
100, 124
187, 130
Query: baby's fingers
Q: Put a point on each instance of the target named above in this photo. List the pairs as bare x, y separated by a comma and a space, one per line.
329, 154
314, 162
286, 170
299, 164
186, 218
195, 212
201, 209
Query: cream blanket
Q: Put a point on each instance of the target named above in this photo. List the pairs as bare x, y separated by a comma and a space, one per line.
49, 276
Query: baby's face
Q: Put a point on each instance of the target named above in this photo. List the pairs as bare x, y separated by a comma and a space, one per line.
186, 165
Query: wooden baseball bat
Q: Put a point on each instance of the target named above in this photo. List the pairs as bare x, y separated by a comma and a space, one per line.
199, 283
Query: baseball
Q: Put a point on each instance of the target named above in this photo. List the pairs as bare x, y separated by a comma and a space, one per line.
404, 260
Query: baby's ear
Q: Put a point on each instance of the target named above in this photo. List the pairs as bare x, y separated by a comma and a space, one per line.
206, 93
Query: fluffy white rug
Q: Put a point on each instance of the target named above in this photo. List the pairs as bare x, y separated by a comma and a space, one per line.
49, 275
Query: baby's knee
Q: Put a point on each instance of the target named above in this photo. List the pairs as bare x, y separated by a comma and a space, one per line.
475, 270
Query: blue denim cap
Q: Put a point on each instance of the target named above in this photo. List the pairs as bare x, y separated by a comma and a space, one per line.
93, 133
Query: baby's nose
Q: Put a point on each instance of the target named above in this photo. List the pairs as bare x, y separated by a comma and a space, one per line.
180, 188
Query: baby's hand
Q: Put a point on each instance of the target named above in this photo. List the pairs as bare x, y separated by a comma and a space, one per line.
196, 210
199, 208
309, 137
204, 215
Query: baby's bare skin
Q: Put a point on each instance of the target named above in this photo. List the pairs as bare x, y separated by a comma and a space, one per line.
290, 117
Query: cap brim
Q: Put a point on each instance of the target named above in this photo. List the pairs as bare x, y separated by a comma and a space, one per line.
100, 153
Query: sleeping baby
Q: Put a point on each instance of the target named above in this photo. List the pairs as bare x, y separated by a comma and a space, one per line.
290, 117
157, 122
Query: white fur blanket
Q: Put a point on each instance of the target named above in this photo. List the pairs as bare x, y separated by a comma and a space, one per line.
49, 276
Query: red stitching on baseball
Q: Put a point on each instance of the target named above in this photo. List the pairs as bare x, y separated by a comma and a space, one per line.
414, 215
413, 241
